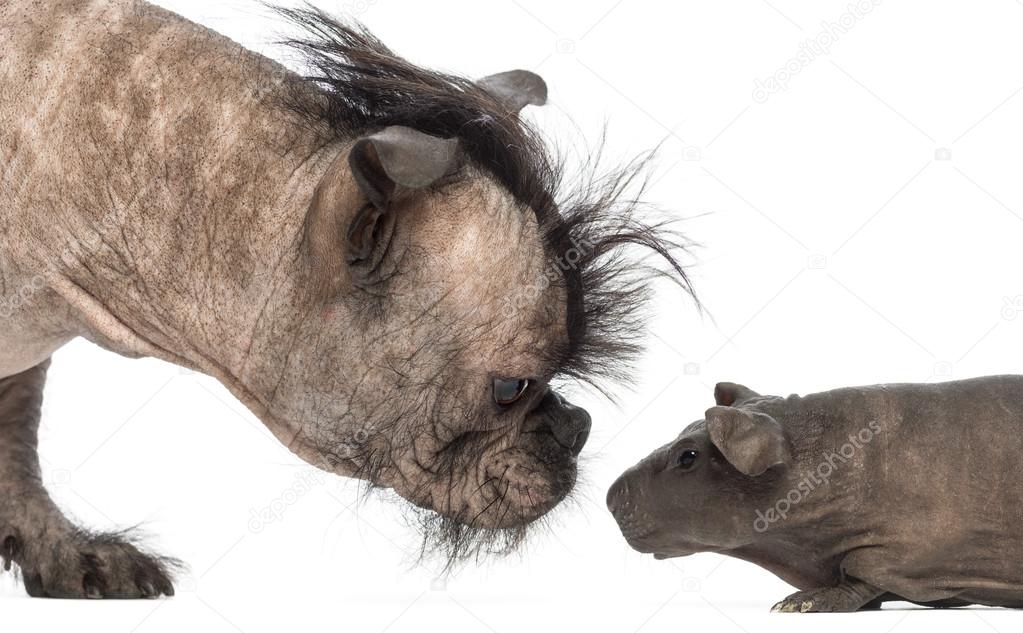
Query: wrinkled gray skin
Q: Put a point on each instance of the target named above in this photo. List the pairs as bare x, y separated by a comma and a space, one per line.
155, 200
855, 496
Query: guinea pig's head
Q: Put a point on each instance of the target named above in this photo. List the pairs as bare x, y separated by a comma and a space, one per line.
699, 492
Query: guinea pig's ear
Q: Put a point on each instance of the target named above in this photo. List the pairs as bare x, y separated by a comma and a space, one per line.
728, 394
750, 441
516, 89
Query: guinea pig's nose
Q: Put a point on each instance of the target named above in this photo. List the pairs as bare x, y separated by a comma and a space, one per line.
618, 496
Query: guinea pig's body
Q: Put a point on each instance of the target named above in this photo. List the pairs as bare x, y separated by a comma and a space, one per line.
855, 496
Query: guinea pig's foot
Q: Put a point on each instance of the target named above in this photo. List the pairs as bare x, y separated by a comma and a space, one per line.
799, 602
845, 597
75, 565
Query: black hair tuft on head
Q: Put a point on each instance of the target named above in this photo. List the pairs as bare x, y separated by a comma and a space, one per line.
355, 85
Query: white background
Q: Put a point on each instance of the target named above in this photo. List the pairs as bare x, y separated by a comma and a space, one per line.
862, 225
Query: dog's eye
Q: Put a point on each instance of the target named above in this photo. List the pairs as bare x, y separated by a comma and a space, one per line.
686, 459
506, 392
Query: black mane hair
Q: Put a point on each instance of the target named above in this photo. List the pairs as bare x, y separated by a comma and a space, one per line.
358, 86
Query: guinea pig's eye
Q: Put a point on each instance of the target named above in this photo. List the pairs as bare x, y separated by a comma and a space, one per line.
686, 459
506, 392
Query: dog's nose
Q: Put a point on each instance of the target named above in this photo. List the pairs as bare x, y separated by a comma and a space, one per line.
570, 425
573, 430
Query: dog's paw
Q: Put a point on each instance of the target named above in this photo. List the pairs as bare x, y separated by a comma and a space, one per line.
76, 565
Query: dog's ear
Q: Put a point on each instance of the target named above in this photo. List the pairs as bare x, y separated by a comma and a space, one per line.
399, 155
394, 157
355, 207
516, 89
751, 442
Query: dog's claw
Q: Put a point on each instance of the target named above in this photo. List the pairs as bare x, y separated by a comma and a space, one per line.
9, 547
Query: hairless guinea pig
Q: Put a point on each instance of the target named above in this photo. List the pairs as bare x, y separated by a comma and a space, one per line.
855, 496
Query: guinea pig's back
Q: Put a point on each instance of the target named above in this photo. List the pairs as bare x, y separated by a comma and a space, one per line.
939, 487
954, 435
